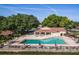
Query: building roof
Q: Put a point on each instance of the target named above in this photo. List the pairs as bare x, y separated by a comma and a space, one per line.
77, 27
47, 29
6, 32
74, 29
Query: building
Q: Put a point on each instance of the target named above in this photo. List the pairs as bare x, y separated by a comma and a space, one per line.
74, 29
77, 27
55, 31
6, 33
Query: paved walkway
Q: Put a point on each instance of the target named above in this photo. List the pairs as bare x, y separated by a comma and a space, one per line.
69, 40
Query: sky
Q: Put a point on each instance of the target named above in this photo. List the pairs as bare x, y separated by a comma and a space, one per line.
41, 11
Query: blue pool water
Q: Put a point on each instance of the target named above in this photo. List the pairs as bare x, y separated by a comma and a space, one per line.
44, 41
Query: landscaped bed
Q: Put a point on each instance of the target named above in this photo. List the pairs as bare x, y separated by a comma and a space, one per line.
38, 53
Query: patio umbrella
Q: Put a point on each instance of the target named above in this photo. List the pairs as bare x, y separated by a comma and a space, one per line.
39, 43
55, 45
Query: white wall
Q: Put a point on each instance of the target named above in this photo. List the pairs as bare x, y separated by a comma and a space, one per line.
57, 34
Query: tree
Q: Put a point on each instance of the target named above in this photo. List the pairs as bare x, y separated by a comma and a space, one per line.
76, 24
58, 21
2, 18
19, 23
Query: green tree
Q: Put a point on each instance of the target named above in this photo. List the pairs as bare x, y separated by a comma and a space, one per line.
58, 21
19, 22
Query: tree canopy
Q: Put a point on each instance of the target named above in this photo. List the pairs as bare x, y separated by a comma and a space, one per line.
19, 22
2, 18
58, 21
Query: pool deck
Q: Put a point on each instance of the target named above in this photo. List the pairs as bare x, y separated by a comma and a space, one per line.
33, 37
68, 40
35, 47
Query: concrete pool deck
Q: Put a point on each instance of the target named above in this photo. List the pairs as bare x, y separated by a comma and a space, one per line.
68, 40
18, 47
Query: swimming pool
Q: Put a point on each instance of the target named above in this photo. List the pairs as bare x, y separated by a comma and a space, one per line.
44, 41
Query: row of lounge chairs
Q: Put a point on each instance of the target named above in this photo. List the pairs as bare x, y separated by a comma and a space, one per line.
44, 47
47, 47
